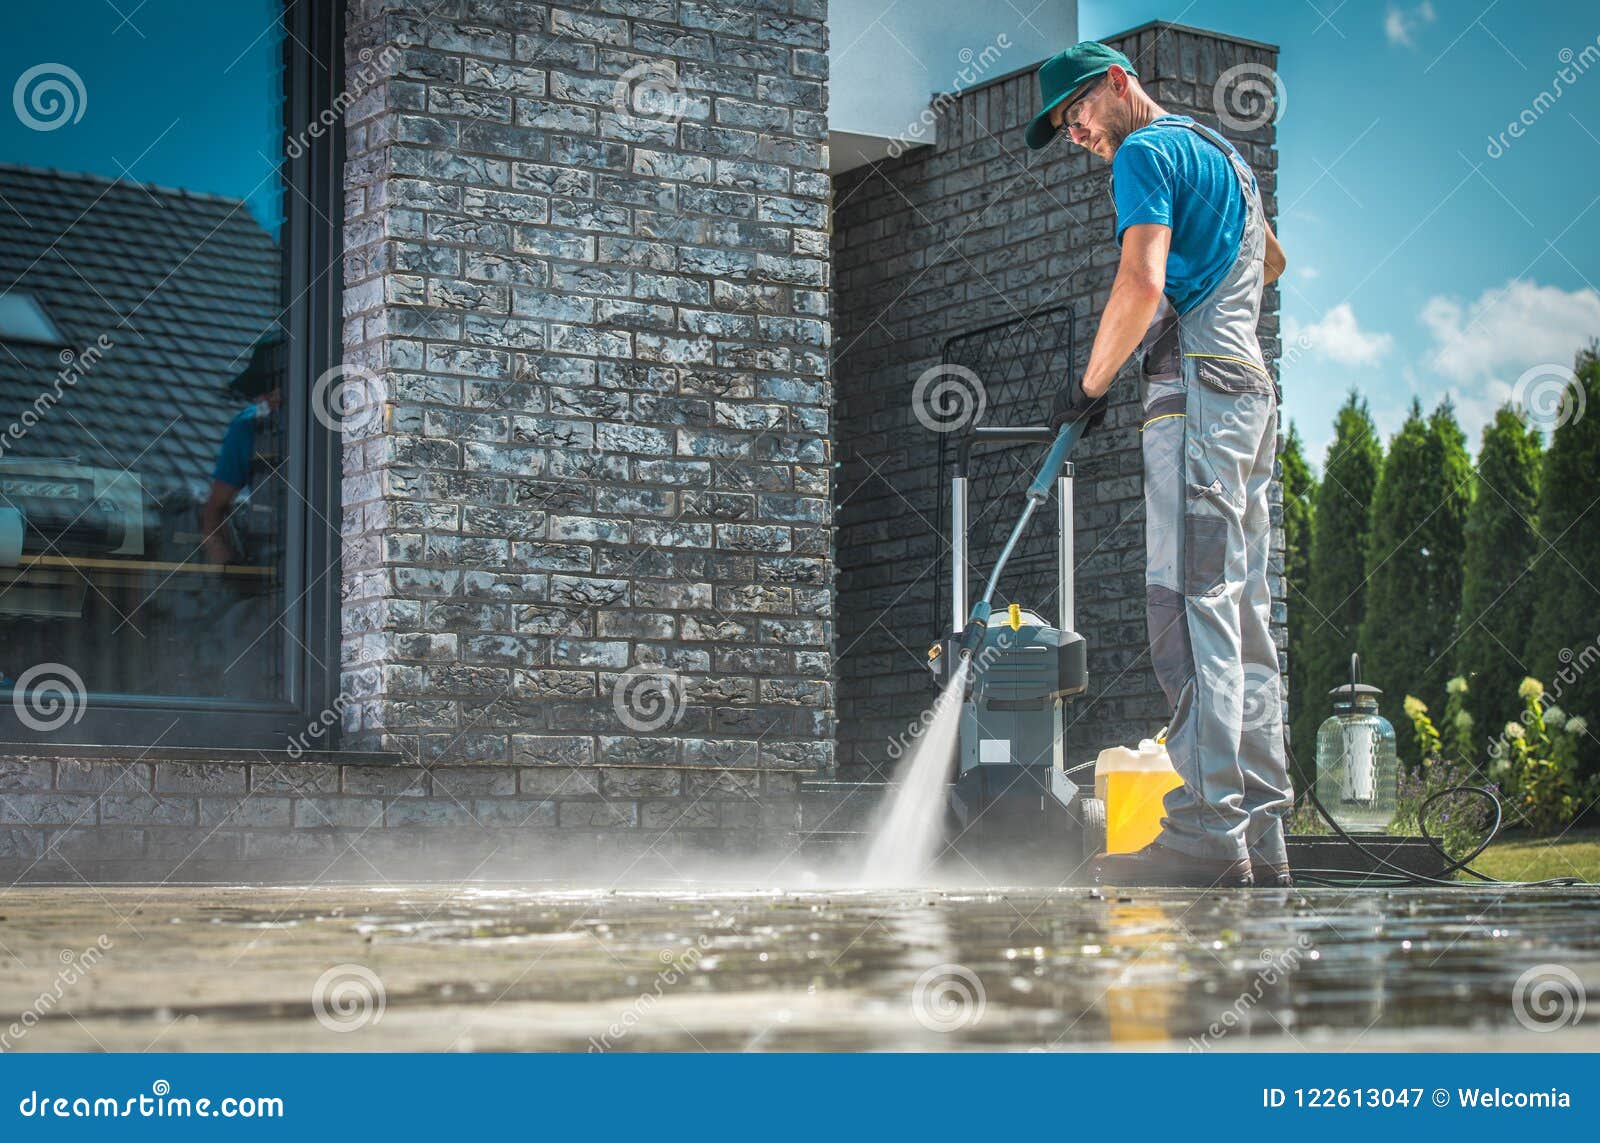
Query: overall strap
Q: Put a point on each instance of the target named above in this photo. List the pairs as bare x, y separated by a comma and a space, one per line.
1240, 170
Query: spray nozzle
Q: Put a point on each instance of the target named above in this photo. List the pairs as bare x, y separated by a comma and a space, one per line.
977, 625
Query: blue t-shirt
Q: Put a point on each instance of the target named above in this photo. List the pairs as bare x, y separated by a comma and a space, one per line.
238, 449
1167, 174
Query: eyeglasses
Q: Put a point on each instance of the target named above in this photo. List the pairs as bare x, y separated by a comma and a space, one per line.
1067, 122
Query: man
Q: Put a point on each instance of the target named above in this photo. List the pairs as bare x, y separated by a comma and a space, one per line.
1196, 253
249, 607
243, 457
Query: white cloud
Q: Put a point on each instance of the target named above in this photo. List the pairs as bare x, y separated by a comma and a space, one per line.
1399, 25
1338, 337
1506, 331
1310, 273
1394, 26
1481, 348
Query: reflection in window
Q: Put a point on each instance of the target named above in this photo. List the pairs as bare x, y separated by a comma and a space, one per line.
142, 359
21, 319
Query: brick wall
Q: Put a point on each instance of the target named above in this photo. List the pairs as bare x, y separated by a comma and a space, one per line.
111, 814
972, 230
587, 276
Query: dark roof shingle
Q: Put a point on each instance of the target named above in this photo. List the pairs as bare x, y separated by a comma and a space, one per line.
181, 284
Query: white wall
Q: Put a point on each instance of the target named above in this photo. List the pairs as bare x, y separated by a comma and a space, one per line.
888, 57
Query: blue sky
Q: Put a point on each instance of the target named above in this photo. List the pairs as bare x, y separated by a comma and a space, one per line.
1419, 265
174, 92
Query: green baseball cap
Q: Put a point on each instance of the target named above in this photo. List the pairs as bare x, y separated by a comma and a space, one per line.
1062, 75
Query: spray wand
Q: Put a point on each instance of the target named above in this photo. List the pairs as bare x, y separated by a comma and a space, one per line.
1038, 492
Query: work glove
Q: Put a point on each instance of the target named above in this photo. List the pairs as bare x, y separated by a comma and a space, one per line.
1071, 404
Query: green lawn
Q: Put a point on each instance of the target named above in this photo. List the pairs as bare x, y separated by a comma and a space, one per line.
1575, 854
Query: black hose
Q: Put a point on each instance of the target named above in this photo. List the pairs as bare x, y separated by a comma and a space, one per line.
1343, 878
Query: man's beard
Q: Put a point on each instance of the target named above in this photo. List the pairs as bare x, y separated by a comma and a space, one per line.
1115, 132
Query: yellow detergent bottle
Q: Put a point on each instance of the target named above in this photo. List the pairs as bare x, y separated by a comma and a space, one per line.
1132, 784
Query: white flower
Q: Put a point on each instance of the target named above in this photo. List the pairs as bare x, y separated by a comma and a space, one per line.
1514, 730
1456, 686
1554, 717
1577, 725
1530, 688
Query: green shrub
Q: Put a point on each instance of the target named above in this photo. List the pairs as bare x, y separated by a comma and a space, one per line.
1535, 760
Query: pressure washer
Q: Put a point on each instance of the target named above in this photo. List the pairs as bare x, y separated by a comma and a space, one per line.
1013, 786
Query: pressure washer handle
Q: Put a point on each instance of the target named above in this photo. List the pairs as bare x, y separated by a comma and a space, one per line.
977, 626
1055, 460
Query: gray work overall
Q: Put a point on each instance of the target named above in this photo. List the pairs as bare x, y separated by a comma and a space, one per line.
1209, 433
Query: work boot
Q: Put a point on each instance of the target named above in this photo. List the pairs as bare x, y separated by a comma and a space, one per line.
1155, 864
1268, 875
1269, 859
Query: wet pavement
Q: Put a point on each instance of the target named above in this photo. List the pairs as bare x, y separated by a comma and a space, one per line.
436, 968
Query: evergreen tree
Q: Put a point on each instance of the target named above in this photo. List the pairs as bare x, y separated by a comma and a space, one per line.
1445, 531
1299, 488
1497, 597
1566, 624
1335, 597
1414, 556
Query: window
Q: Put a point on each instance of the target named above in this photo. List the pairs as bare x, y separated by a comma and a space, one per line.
164, 297
21, 319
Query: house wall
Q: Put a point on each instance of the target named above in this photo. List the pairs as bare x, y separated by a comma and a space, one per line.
587, 271
972, 230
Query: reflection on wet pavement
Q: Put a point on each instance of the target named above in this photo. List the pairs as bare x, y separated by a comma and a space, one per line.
441, 968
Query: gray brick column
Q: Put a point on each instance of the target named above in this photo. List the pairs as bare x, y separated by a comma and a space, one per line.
971, 230
586, 295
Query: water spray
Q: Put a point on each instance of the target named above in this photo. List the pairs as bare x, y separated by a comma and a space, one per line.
999, 708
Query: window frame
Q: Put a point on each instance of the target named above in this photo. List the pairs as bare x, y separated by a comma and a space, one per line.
312, 274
